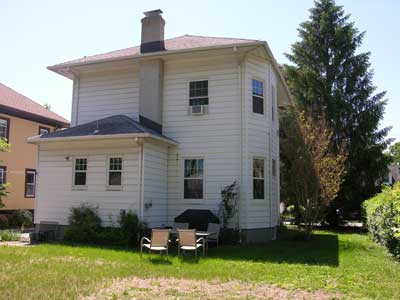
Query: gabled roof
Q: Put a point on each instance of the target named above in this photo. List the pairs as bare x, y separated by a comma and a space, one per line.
184, 42
114, 126
13, 103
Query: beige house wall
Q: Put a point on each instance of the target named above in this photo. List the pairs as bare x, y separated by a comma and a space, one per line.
21, 157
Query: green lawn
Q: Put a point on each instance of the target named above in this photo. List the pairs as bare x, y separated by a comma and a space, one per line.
347, 263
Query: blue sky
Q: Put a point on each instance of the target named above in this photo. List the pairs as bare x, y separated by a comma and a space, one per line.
36, 34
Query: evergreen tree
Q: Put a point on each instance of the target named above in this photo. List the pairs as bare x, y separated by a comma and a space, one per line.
330, 77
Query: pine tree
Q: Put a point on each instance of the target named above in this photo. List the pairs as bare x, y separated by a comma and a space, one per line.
330, 77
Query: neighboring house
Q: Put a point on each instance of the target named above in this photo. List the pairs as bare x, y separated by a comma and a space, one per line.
20, 118
163, 127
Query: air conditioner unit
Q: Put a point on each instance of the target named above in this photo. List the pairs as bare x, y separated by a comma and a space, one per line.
197, 109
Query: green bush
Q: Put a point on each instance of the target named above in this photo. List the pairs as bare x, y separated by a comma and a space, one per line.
20, 219
383, 218
84, 224
3, 222
85, 227
9, 235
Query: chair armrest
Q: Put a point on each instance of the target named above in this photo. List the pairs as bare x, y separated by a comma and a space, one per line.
143, 239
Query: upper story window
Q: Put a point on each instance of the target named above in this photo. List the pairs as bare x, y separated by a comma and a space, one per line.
4, 128
30, 183
258, 178
257, 91
80, 170
3, 175
193, 179
43, 130
198, 93
115, 172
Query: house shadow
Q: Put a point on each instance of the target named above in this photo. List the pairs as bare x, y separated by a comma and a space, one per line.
322, 249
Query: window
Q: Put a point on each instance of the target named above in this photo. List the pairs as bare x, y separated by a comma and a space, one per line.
30, 183
274, 167
193, 179
43, 130
80, 169
198, 93
258, 96
115, 171
258, 178
273, 100
3, 171
4, 128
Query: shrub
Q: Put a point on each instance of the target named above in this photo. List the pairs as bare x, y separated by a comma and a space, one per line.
383, 218
131, 228
3, 222
84, 224
9, 235
20, 219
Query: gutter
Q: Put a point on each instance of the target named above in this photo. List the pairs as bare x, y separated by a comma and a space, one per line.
37, 139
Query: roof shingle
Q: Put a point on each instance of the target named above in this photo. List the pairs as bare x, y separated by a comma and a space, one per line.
178, 43
17, 102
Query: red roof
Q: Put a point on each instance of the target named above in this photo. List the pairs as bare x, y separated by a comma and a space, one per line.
12, 102
184, 42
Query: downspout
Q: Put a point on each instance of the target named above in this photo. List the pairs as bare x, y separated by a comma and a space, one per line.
139, 141
241, 144
77, 86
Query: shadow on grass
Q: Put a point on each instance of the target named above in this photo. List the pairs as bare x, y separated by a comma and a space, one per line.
290, 248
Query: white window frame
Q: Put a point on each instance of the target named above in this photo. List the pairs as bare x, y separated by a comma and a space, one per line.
115, 187
30, 171
258, 96
258, 178
7, 128
201, 97
3, 170
184, 178
274, 103
79, 187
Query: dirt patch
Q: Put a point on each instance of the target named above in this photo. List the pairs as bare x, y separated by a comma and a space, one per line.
164, 288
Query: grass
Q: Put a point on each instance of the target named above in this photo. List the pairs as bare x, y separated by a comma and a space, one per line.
348, 263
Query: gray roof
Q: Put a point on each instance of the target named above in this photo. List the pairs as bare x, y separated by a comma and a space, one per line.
118, 124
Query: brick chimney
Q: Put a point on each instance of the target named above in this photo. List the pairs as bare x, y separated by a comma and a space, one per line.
152, 32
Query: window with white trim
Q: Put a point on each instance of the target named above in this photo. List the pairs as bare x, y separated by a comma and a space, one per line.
258, 179
4, 128
3, 175
115, 171
30, 183
80, 172
193, 179
198, 93
257, 91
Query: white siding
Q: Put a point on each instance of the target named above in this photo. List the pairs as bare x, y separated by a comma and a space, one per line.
261, 142
155, 183
100, 93
215, 137
55, 195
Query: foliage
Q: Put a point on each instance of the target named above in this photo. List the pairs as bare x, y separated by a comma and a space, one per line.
9, 235
331, 78
383, 218
228, 208
311, 173
131, 228
394, 153
20, 219
3, 221
85, 226
4, 147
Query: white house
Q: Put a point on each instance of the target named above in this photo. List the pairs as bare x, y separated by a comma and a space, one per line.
163, 127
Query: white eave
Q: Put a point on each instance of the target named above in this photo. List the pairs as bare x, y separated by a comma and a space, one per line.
37, 139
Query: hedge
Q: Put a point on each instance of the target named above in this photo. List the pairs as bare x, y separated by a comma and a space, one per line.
383, 218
